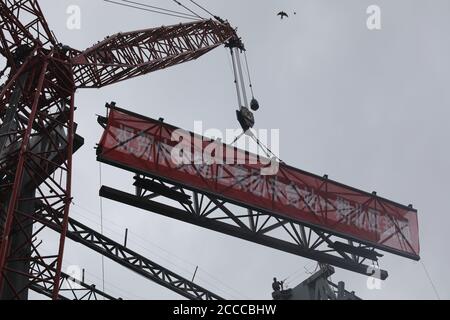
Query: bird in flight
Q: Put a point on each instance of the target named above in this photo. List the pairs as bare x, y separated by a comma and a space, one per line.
283, 15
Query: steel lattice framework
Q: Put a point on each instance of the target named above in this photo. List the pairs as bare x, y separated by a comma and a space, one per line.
124, 256
70, 288
211, 212
146, 147
37, 129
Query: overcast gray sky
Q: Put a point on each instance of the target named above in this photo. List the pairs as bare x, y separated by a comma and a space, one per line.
369, 108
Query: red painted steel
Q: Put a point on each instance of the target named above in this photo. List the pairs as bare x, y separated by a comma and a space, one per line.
37, 126
153, 147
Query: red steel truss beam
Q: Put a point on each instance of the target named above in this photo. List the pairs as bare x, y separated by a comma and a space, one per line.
144, 145
36, 144
22, 23
127, 55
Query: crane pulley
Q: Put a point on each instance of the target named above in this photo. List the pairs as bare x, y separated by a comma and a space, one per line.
245, 116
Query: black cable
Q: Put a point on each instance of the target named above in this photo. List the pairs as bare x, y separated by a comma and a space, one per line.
236, 80
263, 147
203, 8
101, 225
430, 280
267, 149
249, 76
191, 11
149, 10
159, 8
237, 138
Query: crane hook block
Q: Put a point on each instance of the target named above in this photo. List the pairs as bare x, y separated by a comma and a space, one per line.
254, 104
246, 118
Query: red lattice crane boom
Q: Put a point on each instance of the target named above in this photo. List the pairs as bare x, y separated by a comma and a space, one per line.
37, 129
127, 55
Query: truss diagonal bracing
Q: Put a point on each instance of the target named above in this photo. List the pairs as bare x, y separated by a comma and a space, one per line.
126, 257
216, 214
37, 129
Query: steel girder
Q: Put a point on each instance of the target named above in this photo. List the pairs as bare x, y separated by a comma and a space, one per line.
124, 256
70, 288
237, 220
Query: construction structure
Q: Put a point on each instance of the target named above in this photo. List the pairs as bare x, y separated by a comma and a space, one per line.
317, 287
326, 221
